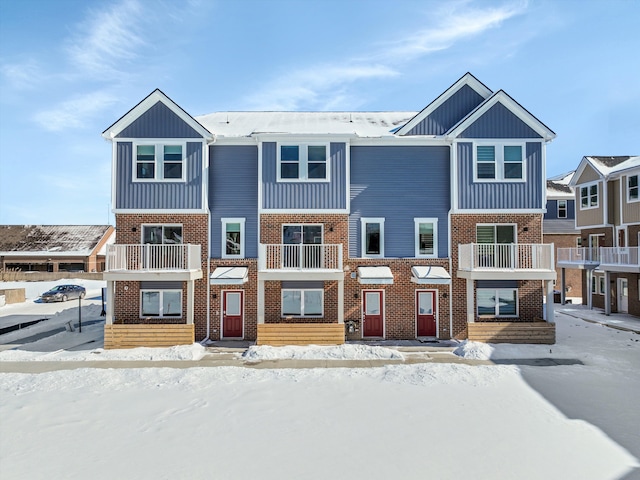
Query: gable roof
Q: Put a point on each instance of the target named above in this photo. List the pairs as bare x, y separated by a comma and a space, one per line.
145, 104
466, 79
514, 107
557, 189
606, 166
53, 240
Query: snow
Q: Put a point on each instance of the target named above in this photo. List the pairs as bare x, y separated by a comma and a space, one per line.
574, 419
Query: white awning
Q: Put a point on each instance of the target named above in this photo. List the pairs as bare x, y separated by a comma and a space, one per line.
375, 275
229, 276
430, 275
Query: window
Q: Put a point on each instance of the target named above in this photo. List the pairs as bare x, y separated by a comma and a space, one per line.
372, 237
499, 233
233, 237
589, 196
302, 303
426, 234
303, 163
562, 209
632, 189
495, 248
159, 162
499, 162
161, 234
302, 246
601, 289
161, 303
502, 302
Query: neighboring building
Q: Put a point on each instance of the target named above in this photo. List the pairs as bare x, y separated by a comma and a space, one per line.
288, 227
608, 216
54, 248
559, 228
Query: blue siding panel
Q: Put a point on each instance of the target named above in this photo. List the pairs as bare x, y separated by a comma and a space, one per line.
552, 210
304, 195
499, 122
399, 184
454, 109
500, 195
159, 122
233, 193
159, 195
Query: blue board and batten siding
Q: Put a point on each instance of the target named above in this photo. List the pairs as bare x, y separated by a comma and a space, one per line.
452, 110
500, 195
233, 193
499, 122
552, 210
159, 122
329, 195
132, 195
399, 184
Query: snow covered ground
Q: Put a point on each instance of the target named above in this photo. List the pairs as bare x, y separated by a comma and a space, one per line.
512, 420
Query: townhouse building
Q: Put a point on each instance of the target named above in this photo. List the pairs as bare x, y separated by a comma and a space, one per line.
608, 216
316, 227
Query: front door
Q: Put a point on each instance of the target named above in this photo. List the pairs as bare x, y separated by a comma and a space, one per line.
232, 309
426, 313
372, 313
623, 295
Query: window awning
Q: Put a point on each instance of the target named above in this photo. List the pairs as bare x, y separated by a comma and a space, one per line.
375, 275
229, 276
430, 275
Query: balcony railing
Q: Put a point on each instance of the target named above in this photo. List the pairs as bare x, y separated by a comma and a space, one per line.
505, 256
144, 258
579, 256
300, 257
620, 256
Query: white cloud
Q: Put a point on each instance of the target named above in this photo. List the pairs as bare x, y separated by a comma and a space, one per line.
21, 76
75, 112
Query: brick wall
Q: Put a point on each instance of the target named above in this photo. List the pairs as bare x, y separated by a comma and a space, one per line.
573, 276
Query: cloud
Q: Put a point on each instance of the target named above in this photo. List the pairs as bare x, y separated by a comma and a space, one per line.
21, 76
75, 112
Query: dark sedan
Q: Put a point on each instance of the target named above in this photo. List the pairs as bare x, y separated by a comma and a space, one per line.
62, 293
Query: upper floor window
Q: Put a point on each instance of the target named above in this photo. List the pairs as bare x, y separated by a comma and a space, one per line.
372, 237
233, 237
562, 209
303, 163
499, 162
632, 188
159, 162
161, 234
426, 235
589, 196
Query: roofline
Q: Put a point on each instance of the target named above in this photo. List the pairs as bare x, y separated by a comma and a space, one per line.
143, 105
466, 79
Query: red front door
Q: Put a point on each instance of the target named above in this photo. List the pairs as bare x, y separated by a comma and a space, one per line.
232, 308
426, 313
372, 313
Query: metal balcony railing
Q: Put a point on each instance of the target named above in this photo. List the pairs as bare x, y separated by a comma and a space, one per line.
300, 257
622, 256
505, 256
148, 257
579, 256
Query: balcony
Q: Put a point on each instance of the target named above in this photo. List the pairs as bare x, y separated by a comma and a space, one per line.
582, 257
506, 261
620, 259
148, 262
300, 261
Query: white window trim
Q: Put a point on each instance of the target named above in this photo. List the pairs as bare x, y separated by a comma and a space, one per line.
223, 245
158, 162
629, 199
417, 222
588, 187
497, 306
302, 292
601, 285
514, 225
363, 236
161, 292
163, 225
566, 209
499, 161
303, 169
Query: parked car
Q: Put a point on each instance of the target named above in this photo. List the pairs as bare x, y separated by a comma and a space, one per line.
62, 293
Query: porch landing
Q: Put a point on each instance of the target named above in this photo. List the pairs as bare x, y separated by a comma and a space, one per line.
281, 334
512, 332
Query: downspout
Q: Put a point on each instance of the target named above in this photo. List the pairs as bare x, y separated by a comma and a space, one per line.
453, 198
208, 207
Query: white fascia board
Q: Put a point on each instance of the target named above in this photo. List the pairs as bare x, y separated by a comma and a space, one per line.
395, 141
631, 170
514, 107
499, 211
466, 79
295, 211
159, 211
148, 102
580, 170
303, 137
58, 253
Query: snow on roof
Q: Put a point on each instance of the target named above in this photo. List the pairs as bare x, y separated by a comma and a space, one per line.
558, 189
563, 178
361, 124
609, 165
51, 239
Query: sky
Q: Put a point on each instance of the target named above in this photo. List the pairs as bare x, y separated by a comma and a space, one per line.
71, 68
